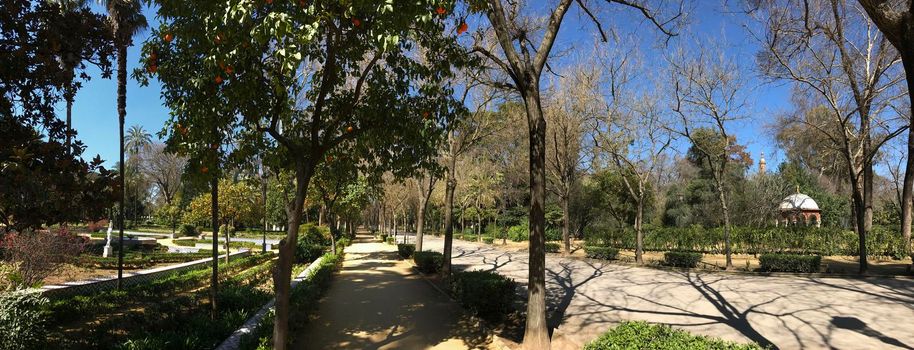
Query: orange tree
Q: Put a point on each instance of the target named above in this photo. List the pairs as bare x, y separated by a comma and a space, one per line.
292, 81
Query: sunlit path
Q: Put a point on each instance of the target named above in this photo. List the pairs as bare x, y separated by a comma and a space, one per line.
587, 297
378, 302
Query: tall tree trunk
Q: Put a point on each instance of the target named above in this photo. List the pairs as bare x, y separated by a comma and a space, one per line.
420, 222
907, 195
536, 334
68, 96
860, 224
566, 223
282, 274
450, 186
725, 208
639, 233
121, 117
214, 280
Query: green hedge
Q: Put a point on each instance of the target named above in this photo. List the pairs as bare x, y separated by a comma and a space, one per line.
641, 335
882, 240
553, 247
139, 260
406, 250
681, 259
306, 253
519, 233
488, 240
23, 320
391, 240
605, 253
790, 263
383, 237
428, 262
486, 293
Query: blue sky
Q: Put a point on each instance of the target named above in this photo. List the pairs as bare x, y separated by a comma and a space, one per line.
95, 110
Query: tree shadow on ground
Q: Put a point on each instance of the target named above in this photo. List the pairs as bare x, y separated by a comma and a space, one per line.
856, 325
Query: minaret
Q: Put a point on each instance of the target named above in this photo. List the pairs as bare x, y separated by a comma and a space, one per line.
761, 164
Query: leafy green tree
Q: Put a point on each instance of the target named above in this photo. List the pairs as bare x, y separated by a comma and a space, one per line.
292, 81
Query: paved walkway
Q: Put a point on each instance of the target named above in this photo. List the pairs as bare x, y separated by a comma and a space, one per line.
378, 302
587, 297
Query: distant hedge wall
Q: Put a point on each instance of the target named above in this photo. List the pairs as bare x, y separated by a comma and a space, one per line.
882, 240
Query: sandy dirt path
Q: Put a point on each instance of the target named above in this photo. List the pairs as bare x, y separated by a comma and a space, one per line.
379, 302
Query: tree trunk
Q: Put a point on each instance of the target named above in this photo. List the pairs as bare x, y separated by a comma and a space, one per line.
536, 334
722, 195
214, 280
121, 117
907, 193
282, 274
860, 224
450, 186
420, 222
639, 233
68, 95
566, 224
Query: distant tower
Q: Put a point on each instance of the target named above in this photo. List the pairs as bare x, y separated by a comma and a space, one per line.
762, 164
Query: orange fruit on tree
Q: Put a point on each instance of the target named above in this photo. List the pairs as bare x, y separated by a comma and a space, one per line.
229, 70
153, 68
204, 169
349, 129
218, 79
329, 158
462, 28
356, 22
440, 10
168, 37
269, 2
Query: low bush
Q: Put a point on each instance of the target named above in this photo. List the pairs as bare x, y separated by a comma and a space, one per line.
553, 247
488, 240
314, 235
305, 253
383, 237
486, 293
681, 259
344, 242
519, 233
187, 230
553, 234
642, 335
406, 250
428, 262
187, 242
789, 263
391, 240
605, 253
23, 320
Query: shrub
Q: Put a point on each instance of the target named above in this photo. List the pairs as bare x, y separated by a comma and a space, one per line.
406, 250
681, 259
553, 247
605, 253
305, 252
487, 293
488, 240
187, 230
314, 234
642, 335
519, 233
553, 234
23, 320
391, 240
38, 255
383, 237
187, 242
428, 262
790, 263
343, 242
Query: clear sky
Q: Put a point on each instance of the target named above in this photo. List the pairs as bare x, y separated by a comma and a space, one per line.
95, 109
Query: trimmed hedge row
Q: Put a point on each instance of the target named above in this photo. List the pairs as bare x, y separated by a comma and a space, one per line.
642, 335
681, 259
790, 263
553, 247
138, 261
605, 253
882, 240
428, 262
406, 250
486, 293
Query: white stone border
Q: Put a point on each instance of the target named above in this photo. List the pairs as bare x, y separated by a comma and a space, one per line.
105, 283
249, 326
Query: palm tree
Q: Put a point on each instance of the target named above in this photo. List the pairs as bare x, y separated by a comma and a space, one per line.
137, 139
126, 20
